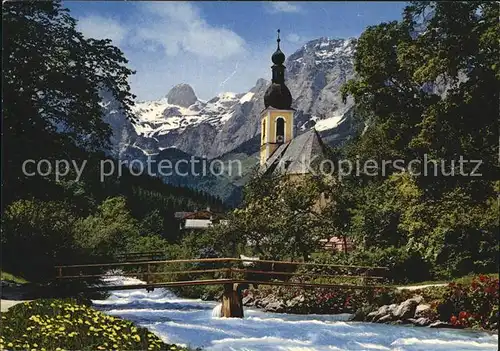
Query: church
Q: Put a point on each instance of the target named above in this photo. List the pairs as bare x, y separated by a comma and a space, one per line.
281, 151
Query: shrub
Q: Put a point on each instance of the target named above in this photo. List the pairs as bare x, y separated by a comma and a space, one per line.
471, 305
329, 301
404, 266
63, 324
41, 233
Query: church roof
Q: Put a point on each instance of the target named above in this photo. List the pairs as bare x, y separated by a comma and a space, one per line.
298, 156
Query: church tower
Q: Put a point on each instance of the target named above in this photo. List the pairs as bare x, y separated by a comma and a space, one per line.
277, 118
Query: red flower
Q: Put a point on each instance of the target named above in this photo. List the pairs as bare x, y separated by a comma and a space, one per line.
489, 289
482, 278
462, 315
453, 320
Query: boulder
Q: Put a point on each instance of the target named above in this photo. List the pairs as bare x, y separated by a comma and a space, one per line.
418, 298
276, 307
440, 324
421, 322
262, 303
421, 310
385, 319
296, 301
361, 314
406, 309
381, 312
248, 300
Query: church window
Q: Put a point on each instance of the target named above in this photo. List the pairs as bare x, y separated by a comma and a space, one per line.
280, 129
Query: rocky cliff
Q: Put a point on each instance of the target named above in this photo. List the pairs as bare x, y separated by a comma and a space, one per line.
228, 124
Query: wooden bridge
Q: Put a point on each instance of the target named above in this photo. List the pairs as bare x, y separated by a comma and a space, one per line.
235, 274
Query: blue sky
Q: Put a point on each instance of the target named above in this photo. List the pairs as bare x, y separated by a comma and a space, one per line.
217, 46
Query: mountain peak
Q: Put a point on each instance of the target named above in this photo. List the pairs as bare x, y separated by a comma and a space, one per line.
181, 95
259, 85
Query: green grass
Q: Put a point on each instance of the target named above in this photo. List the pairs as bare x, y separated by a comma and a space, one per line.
12, 277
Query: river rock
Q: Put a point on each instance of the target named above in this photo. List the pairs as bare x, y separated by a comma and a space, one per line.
297, 301
406, 309
276, 306
421, 322
440, 324
262, 303
248, 300
418, 298
421, 310
385, 319
381, 312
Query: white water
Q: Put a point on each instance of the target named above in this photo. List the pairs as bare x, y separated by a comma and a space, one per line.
194, 322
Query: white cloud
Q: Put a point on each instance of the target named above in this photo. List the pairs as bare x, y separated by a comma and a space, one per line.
293, 38
179, 26
283, 6
168, 43
98, 27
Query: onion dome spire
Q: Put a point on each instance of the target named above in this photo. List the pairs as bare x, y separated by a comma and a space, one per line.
278, 57
278, 95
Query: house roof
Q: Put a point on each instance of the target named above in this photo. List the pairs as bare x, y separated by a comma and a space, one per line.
181, 215
298, 156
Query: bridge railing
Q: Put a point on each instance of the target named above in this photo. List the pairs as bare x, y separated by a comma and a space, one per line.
141, 256
228, 269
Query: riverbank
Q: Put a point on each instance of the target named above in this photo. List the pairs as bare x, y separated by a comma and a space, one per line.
192, 322
473, 304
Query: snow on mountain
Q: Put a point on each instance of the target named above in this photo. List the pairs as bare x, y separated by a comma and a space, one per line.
160, 117
314, 75
327, 123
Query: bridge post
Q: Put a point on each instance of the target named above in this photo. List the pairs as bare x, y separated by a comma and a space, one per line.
232, 305
148, 277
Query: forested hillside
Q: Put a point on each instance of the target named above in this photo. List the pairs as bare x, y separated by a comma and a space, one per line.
53, 80
427, 87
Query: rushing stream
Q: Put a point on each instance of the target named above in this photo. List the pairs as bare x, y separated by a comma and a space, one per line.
191, 322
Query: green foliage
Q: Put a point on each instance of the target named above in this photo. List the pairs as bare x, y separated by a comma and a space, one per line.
36, 236
49, 62
279, 218
66, 325
404, 265
471, 305
147, 243
109, 231
426, 86
152, 224
12, 278
327, 301
55, 79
